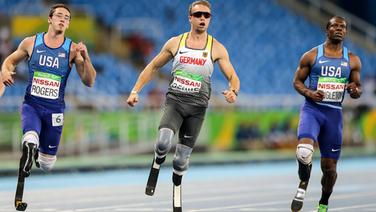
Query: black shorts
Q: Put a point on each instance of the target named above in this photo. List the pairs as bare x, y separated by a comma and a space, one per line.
187, 119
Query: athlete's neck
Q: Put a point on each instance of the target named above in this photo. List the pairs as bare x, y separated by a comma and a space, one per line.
197, 36
333, 45
197, 40
333, 49
53, 39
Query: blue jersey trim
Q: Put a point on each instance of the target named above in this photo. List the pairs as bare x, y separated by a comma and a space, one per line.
345, 53
39, 39
67, 44
320, 51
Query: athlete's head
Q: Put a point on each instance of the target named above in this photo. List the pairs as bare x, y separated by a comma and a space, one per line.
59, 17
199, 15
336, 29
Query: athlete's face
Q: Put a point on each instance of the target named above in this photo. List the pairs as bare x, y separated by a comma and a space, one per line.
200, 18
337, 29
60, 19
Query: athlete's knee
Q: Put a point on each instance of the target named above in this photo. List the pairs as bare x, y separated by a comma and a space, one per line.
46, 162
181, 159
163, 144
31, 137
304, 153
329, 170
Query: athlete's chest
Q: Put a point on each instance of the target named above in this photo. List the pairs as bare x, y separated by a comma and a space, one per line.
331, 67
51, 59
190, 57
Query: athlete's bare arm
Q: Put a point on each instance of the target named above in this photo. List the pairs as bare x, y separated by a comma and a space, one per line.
354, 87
165, 55
85, 68
8, 69
301, 74
220, 54
2, 86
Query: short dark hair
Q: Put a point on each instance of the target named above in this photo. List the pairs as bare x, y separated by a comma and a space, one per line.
203, 2
55, 6
334, 17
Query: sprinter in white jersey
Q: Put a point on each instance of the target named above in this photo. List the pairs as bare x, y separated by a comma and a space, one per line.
193, 55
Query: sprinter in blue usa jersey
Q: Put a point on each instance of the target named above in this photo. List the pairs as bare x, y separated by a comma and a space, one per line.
332, 70
50, 58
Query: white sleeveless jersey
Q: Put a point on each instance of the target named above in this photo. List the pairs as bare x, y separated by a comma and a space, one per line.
191, 73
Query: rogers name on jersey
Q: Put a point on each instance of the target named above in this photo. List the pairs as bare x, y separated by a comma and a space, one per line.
50, 93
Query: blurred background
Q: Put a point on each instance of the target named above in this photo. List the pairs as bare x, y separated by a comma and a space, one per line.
265, 40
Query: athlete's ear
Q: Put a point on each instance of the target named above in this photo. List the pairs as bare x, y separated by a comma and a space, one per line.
49, 20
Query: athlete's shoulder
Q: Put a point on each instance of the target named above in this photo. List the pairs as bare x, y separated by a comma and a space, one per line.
219, 51
310, 55
308, 58
353, 55
312, 52
27, 45
218, 46
28, 41
175, 39
355, 61
216, 43
172, 44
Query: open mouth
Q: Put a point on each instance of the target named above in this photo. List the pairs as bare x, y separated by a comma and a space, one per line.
202, 24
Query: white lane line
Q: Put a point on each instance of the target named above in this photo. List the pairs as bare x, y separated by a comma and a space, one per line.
263, 209
226, 197
359, 206
348, 196
143, 209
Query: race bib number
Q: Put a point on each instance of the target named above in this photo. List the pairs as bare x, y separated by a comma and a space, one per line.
57, 119
186, 82
333, 88
45, 85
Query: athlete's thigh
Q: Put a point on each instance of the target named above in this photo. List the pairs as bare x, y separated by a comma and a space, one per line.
172, 117
309, 124
191, 125
330, 139
30, 119
52, 127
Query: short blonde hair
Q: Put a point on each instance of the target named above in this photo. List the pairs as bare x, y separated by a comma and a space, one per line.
203, 2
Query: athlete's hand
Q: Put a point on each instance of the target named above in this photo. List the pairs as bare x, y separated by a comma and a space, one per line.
230, 96
353, 90
317, 95
132, 99
7, 77
82, 49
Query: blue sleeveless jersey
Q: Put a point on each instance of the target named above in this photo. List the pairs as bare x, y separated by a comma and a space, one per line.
331, 76
48, 73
